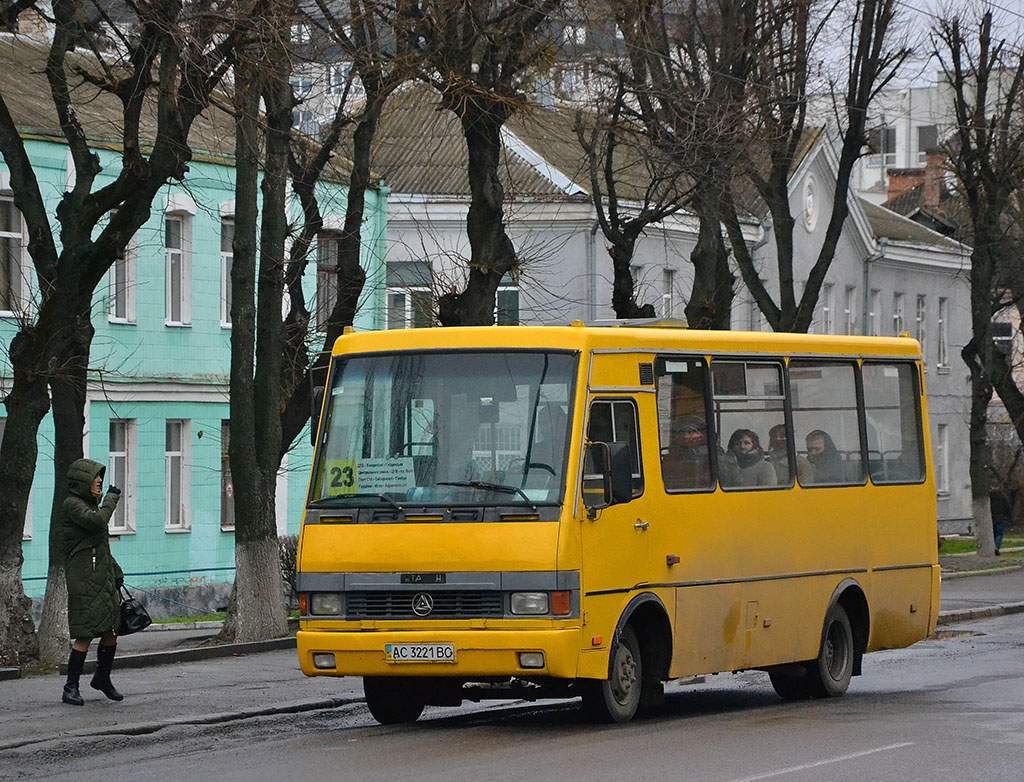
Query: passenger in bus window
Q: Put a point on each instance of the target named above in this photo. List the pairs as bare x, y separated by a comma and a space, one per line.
778, 457
687, 465
826, 461
744, 464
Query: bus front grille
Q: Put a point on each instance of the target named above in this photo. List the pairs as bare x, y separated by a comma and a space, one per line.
445, 605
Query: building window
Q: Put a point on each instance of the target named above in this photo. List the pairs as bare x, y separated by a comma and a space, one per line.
13, 274
922, 325
338, 76
942, 360
576, 34
301, 33
301, 82
178, 503
227, 488
882, 142
410, 298
828, 308
898, 322
668, 298
942, 459
122, 286
121, 473
850, 310
927, 140
178, 272
227, 255
875, 314
506, 310
326, 277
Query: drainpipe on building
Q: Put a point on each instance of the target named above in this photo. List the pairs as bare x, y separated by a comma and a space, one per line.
592, 270
882, 244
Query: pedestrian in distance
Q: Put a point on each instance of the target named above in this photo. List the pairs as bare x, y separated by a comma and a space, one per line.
93, 577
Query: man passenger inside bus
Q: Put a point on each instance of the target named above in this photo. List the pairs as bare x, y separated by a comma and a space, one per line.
826, 461
778, 457
744, 465
687, 462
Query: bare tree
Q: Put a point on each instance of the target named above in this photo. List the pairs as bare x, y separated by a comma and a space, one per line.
171, 58
789, 43
985, 74
481, 55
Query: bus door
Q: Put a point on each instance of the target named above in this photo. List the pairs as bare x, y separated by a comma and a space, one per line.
616, 542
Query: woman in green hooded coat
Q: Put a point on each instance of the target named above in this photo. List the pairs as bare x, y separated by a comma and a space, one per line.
93, 577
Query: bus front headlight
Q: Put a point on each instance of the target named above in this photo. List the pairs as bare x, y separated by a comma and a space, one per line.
529, 603
325, 604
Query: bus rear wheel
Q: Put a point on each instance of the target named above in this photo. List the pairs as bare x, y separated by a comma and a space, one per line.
617, 698
393, 701
830, 674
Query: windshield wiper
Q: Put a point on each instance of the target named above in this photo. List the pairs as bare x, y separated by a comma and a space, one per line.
498, 487
328, 502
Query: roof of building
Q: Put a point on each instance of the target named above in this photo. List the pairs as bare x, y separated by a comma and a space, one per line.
887, 224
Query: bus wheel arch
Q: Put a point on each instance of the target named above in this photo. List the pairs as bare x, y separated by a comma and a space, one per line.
644, 633
851, 597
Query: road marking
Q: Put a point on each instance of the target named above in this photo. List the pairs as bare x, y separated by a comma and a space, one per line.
828, 761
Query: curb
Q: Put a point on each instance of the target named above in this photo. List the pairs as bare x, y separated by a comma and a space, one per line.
995, 571
193, 655
143, 728
967, 614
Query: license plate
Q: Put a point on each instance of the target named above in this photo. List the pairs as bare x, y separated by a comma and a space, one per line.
419, 653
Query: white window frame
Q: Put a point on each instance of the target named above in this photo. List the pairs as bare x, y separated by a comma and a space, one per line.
184, 256
409, 292
921, 320
875, 313
899, 324
942, 360
506, 289
227, 257
883, 157
301, 33
20, 276
828, 308
922, 152
942, 459
179, 471
126, 505
126, 263
850, 310
668, 298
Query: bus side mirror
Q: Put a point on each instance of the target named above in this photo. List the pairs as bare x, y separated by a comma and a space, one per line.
607, 475
314, 413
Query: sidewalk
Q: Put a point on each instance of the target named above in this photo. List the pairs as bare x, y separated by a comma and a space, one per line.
241, 681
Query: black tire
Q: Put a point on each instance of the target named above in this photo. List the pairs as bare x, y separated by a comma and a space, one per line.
617, 698
791, 687
393, 701
829, 675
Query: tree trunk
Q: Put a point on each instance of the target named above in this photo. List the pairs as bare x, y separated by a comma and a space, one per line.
624, 301
492, 254
710, 304
26, 405
981, 394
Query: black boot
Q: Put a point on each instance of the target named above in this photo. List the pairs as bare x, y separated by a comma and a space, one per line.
76, 661
101, 679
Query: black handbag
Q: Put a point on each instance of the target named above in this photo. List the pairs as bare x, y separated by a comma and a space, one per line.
134, 616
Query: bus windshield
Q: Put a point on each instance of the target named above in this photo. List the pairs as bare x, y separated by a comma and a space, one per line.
460, 427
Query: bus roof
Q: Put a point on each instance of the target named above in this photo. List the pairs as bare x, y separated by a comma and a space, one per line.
642, 339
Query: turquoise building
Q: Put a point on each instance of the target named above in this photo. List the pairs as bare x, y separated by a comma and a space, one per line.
157, 409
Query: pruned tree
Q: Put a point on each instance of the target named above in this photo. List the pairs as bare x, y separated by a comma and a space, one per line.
985, 75
152, 75
481, 56
790, 43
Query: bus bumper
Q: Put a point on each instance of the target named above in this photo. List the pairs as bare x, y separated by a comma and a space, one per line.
478, 653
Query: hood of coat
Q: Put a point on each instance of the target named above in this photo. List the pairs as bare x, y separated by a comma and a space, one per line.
81, 474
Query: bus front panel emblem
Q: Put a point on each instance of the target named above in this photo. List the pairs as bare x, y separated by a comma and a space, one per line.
422, 604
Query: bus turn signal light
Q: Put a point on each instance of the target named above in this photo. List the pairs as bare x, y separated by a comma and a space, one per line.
561, 603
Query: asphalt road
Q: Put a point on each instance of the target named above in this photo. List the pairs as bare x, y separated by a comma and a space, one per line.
949, 709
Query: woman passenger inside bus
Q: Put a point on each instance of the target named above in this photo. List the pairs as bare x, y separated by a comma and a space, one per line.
744, 464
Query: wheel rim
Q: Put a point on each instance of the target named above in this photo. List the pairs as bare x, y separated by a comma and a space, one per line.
624, 682
837, 651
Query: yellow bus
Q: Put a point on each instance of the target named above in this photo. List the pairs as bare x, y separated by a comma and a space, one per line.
533, 512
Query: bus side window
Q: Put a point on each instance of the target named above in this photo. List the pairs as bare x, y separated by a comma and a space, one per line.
683, 423
616, 422
892, 415
825, 419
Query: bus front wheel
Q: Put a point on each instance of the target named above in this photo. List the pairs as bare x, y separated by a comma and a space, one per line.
393, 701
617, 698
